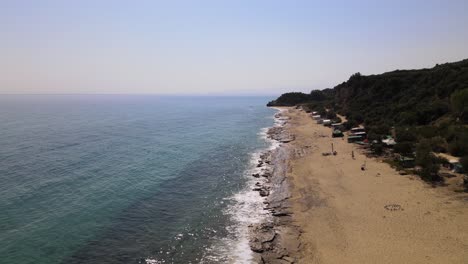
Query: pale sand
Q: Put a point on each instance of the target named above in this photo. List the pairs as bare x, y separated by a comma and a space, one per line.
340, 208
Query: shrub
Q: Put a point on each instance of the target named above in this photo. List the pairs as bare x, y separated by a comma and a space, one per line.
428, 162
377, 148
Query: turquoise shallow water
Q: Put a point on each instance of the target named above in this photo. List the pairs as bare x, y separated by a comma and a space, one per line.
118, 179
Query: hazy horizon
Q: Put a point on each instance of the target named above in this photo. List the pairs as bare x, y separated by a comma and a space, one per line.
219, 48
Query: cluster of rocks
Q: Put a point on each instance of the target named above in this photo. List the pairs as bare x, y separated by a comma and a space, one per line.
278, 134
263, 187
276, 240
264, 236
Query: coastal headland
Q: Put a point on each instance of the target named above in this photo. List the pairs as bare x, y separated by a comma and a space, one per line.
327, 209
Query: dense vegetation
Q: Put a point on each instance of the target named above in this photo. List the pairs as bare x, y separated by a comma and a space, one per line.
427, 109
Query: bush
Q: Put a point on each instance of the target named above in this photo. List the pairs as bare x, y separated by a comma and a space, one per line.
404, 148
377, 148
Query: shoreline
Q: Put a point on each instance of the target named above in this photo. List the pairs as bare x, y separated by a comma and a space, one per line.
332, 212
276, 239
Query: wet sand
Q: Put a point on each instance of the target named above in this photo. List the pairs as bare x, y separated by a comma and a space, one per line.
346, 215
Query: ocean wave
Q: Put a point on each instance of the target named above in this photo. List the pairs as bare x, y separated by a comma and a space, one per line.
246, 209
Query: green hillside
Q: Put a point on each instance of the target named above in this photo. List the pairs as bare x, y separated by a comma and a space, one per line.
426, 106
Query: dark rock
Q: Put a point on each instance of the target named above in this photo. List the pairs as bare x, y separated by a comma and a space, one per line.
288, 259
266, 234
264, 192
257, 258
279, 214
256, 246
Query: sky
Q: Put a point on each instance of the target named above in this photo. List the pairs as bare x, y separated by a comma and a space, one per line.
219, 47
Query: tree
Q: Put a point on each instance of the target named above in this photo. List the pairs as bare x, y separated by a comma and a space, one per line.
464, 163
404, 134
355, 76
404, 148
317, 95
459, 104
290, 99
350, 124
428, 162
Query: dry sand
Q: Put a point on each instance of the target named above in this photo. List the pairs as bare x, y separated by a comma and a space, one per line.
341, 209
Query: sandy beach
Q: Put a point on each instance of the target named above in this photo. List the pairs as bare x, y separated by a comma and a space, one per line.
346, 215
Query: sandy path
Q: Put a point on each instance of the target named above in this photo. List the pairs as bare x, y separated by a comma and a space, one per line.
341, 208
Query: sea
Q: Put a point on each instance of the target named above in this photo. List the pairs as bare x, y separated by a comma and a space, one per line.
129, 178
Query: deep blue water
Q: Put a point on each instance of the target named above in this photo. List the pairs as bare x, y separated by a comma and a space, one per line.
120, 178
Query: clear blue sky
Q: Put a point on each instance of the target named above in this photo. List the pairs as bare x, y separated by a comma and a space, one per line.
219, 47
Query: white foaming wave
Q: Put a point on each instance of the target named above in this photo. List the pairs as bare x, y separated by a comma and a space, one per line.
263, 134
248, 208
154, 261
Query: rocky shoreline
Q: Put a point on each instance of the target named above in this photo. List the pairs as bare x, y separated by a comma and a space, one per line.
276, 240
